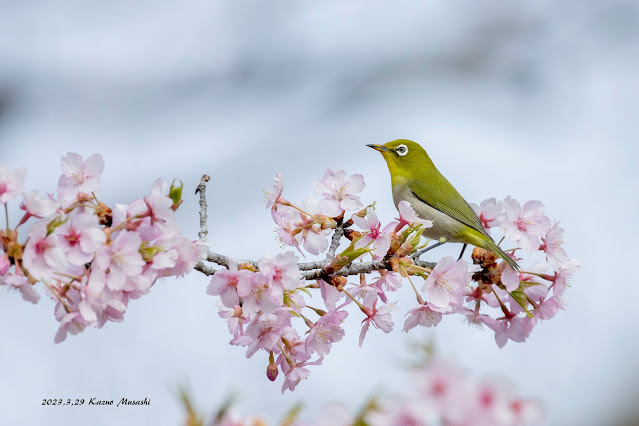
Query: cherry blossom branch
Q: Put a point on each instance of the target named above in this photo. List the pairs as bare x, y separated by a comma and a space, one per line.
201, 188
114, 255
311, 270
319, 264
361, 268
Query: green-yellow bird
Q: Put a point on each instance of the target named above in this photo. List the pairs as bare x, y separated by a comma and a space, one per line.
416, 179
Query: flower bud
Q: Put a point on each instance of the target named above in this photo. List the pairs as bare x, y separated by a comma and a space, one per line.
247, 266
352, 235
175, 193
483, 258
82, 197
104, 213
271, 370
338, 282
14, 250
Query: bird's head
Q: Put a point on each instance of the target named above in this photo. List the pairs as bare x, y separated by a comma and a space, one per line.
404, 158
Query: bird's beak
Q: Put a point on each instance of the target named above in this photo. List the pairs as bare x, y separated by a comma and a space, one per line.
380, 148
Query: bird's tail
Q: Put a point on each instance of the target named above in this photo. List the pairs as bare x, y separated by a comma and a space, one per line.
490, 245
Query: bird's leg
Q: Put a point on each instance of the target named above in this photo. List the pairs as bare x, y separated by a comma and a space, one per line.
429, 248
462, 252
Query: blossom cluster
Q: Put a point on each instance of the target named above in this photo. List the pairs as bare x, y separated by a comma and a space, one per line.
441, 393
267, 303
91, 259
525, 297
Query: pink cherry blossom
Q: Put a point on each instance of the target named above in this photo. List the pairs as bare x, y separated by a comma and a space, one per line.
115, 304
125, 214
92, 302
525, 226
315, 238
490, 212
490, 297
266, 331
295, 350
158, 203
378, 239
298, 229
421, 315
260, 293
526, 411
36, 206
380, 317
287, 219
294, 376
330, 294
547, 309
388, 280
552, 246
445, 284
369, 293
282, 269
443, 385
80, 237
79, 177
407, 216
11, 183
272, 197
186, 253
488, 403
515, 329
234, 317
43, 255
296, 302
339, 192
561, 278
510, 279
21, 283
475, 319
122, 259
324, 332
70, 323
224, 283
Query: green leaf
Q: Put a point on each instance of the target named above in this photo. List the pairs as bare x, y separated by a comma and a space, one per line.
175, 193
522, 300
57, 221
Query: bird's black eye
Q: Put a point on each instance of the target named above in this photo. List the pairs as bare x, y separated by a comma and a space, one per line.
401, 150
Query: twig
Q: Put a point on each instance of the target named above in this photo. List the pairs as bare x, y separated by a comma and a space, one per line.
201, 188
337, 236
206, 270
353, 269
361, 268
225, 260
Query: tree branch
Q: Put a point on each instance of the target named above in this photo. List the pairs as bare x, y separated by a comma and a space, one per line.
310, 270
361, 268
337, 236
201, 188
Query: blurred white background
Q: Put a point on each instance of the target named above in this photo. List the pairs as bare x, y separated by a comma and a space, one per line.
536, 101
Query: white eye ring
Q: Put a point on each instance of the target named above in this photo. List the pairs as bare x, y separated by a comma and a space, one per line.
401, 150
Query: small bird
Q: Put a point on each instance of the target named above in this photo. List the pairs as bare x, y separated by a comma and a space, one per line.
415, 179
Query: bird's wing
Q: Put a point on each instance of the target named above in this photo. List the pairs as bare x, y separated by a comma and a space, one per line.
453, 206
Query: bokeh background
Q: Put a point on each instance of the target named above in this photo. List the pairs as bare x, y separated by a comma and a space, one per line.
538, 100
